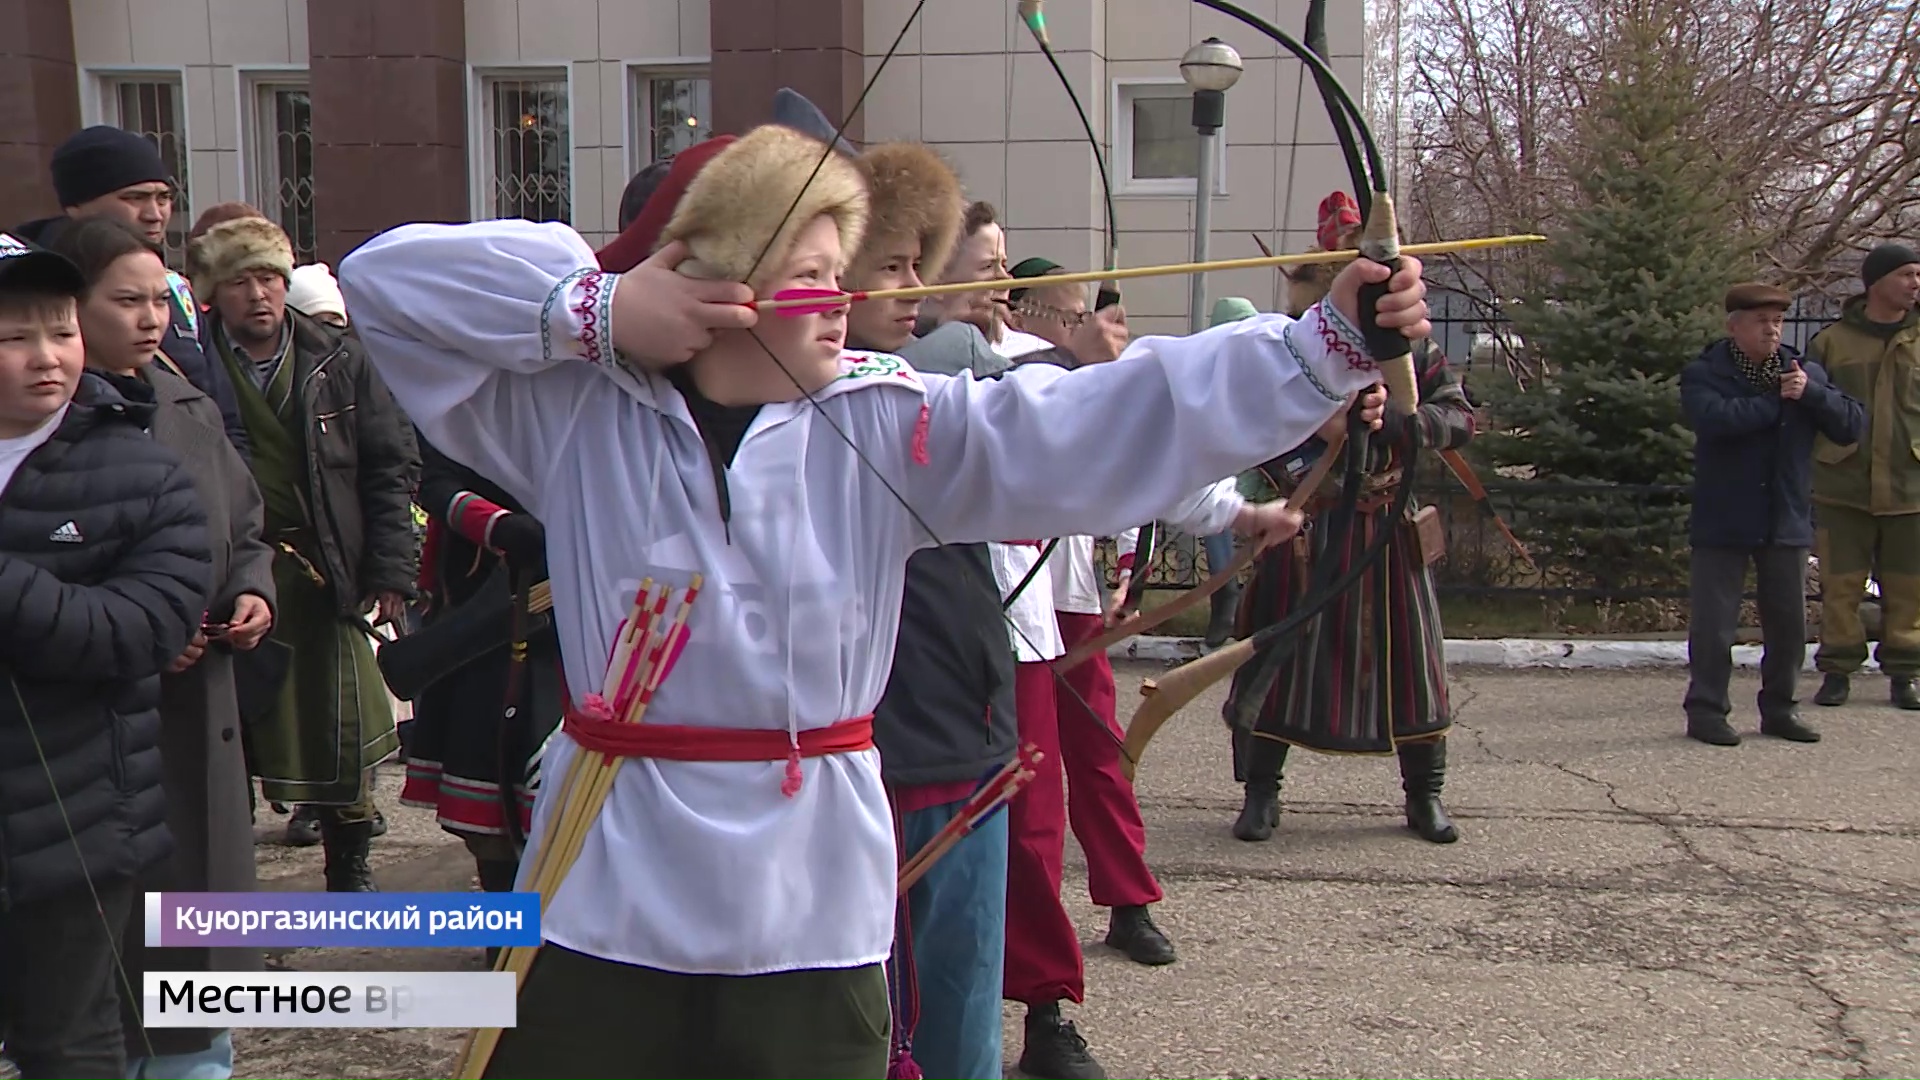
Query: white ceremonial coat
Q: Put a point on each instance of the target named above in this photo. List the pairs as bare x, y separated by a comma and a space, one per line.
494, 337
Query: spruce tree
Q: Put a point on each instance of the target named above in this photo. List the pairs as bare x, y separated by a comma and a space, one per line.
1638, 277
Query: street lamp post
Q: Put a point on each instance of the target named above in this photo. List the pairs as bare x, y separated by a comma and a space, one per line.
1210, 68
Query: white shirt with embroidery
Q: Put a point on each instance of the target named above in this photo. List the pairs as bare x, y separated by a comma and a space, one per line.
494, 337
1077, 587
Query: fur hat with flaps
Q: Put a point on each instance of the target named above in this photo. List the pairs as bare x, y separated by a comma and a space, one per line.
914, 193
232, 248
747, 195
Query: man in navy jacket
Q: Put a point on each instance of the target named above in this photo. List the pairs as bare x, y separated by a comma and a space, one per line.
1754, 406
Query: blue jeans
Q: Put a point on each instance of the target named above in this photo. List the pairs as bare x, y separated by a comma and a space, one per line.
1219, 548
958, 919
213, 1063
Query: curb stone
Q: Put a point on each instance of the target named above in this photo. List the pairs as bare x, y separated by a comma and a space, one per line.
1566, 654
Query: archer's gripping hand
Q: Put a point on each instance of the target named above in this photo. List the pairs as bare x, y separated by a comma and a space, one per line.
662, 317
1403, 308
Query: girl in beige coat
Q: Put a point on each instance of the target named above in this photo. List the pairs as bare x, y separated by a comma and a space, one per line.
122, 317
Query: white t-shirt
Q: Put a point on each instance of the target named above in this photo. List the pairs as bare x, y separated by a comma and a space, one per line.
15, 451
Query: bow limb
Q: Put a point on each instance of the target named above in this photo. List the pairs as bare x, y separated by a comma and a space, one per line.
1170, 694
1167, 696
1143, 621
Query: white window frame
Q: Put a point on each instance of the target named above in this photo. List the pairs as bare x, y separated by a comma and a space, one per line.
100, 104
480, 80
257, 165
1120, 107
632, 118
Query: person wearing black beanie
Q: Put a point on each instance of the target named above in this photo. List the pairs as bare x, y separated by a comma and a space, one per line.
1868, 494
104, 170
1883, 260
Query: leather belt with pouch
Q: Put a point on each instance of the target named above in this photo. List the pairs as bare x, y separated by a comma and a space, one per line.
1429, 535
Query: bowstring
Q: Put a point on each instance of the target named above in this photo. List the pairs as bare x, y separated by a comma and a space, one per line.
753, 332
93, 892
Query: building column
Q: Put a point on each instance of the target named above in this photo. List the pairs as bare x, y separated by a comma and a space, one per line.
814, 46
39, 103
388, 85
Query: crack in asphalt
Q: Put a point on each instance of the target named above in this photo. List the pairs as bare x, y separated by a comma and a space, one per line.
1848, 1047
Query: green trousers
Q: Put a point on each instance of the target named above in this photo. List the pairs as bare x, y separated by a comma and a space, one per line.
1854, 545
582, 1017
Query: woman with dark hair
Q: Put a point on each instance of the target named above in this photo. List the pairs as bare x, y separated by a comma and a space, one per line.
123, 314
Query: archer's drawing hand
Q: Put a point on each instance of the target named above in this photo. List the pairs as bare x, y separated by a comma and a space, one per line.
1403, 308
662, 317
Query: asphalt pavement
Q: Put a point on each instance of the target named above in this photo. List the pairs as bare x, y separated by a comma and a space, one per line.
1623, 902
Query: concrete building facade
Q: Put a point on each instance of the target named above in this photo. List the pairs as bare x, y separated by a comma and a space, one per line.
342, 118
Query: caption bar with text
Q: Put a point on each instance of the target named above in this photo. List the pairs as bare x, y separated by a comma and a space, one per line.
330, 999
342, 920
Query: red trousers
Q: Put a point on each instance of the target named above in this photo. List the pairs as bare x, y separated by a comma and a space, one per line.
1043, 948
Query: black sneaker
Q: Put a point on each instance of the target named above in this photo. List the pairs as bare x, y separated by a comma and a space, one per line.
1054, 1049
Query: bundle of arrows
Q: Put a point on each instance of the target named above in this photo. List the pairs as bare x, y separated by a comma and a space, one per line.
999, 789
645, 648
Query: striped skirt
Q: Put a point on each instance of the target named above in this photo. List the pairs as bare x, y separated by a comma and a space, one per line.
1368, 671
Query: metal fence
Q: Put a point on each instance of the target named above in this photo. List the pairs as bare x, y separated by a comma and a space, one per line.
1469, 329
1480, 562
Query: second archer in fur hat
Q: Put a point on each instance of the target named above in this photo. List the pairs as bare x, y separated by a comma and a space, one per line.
916, 211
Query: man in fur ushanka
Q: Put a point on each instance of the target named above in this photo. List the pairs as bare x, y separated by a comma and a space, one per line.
734, 900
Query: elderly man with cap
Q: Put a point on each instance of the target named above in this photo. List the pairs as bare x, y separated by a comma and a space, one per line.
1869, 490
1756, 409
105, 171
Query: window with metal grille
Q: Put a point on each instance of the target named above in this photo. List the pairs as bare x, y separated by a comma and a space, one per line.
282, 159
155, 106
528, 148
672, 110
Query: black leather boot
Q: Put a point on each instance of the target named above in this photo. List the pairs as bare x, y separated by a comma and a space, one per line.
1905, 695
346, 848
1262, 761
1226, 605
1054, 1049
1423, 772
303, 828
1131, 930
1833, 691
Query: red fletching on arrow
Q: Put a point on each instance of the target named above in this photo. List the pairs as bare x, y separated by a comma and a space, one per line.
830, 299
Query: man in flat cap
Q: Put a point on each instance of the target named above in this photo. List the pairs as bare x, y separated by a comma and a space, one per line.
1869, 492
1756, 409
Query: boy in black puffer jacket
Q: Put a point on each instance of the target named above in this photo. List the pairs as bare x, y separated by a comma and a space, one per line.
104, 576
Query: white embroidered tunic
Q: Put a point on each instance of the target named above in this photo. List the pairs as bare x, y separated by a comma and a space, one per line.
495, 339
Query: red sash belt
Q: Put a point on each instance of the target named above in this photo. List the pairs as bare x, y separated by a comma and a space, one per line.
674, 742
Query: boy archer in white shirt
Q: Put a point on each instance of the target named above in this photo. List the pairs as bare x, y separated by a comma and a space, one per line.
719, 920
